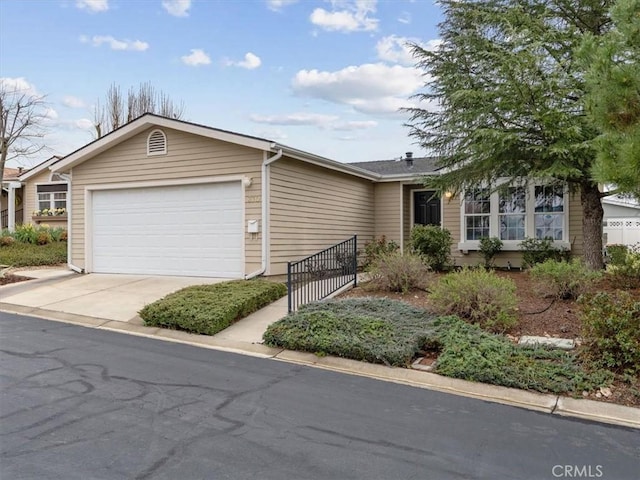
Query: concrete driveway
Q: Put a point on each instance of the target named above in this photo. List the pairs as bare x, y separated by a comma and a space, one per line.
107, 296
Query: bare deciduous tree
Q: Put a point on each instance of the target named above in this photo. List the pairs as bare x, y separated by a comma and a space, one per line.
118, 110
22, 117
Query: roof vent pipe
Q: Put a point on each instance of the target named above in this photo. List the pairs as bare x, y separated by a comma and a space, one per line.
409, 159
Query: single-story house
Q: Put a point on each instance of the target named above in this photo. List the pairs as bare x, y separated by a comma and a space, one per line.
164, 196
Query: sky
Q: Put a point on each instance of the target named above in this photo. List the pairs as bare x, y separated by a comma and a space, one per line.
327, 77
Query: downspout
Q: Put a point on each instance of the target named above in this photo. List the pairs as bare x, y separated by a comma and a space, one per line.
67, 178
265, 213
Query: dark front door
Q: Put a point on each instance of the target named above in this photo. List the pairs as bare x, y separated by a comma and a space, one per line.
426, 208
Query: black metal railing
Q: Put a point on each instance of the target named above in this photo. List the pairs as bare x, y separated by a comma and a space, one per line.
4, 218
321, 274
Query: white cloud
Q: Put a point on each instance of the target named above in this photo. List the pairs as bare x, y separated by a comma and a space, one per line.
50, 114
250, 62
93, 6
196, 57
395, 50
347, 16
277, 5
405, 17
83, 124
368, 88
18, 86
325, 122
297, 119
73, 102
115, 44
354, 125
177, 8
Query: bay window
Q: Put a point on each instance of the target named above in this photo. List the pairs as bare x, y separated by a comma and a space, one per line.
513, 213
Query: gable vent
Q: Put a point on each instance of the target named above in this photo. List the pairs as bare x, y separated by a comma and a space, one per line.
157, 143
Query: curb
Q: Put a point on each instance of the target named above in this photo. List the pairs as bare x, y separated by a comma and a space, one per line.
548, 403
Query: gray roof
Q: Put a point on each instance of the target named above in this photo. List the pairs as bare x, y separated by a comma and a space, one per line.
421, 166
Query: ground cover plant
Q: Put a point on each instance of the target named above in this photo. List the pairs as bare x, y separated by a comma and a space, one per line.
375, 330
208, 309
16, 254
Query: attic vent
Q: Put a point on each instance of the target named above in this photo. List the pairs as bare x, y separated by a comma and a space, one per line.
157, 143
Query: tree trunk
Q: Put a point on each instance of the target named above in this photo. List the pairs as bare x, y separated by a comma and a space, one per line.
592, 214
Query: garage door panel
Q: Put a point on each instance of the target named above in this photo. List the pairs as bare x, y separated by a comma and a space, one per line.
178, 230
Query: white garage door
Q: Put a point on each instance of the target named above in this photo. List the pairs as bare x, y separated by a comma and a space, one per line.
191, 230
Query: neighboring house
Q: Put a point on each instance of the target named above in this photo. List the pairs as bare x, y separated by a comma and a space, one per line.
164, 196
11, 198
621, 223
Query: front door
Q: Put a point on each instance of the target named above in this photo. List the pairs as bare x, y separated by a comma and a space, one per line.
426, 208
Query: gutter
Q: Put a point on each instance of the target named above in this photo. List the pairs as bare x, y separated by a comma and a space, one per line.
265, 213
67, 178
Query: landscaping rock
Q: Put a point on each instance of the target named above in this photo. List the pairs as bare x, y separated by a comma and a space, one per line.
563, 343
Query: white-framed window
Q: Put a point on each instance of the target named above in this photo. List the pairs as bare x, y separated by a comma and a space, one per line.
513, 213
477, 211
52, 197
549, 212
156, 143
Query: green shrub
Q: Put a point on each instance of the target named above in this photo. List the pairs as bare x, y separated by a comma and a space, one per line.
43, 236
616, 254
562, 280
375, 330
469, 353
377, 247
208, 309
489, 248
539, 250
26, 254
58, 234
478, 296
625, 270
611, 331
26, 233
398, 272
6, 240
434, 244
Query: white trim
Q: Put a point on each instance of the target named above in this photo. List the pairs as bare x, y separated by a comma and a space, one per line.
88, 203
38, 168
37, 199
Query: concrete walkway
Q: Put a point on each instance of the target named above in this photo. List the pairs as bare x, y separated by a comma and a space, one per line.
112, 302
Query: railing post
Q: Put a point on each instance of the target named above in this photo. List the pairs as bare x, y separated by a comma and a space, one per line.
289, 287
355, 261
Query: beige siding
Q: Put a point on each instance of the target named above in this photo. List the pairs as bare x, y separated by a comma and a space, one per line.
312, 208
387, 210
575, 225
188, 157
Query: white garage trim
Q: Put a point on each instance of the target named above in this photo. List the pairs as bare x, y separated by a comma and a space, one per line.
90, 189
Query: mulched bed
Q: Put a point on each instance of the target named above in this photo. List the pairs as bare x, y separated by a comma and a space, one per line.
537, 316
10, 278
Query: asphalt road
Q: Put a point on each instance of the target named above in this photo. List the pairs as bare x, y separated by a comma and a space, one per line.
80, 403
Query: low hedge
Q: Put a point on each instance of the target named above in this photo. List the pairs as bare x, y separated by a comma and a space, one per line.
376, 330
18, 254
208, 309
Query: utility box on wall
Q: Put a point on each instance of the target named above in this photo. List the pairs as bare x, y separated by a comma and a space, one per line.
253, 226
